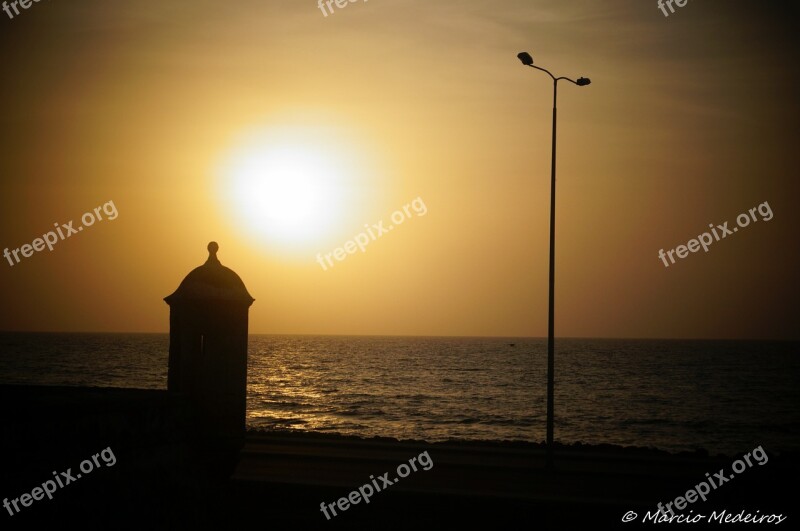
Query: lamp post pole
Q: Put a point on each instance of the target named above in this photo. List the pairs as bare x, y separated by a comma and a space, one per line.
527, 60
551, 305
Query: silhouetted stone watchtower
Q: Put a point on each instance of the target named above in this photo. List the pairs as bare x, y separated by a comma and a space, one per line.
208, 316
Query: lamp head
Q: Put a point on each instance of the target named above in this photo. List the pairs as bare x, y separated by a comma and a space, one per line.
583, 81
526, 58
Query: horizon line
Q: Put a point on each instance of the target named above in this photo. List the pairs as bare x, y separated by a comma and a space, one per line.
785, 340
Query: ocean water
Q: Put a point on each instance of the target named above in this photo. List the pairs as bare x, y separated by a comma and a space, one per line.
724, 396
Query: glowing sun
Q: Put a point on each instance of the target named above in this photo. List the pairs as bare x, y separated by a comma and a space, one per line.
289, 187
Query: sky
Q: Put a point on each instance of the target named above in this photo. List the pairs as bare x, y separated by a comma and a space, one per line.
282, 133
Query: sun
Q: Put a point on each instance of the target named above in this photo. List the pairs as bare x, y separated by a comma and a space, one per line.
289, 187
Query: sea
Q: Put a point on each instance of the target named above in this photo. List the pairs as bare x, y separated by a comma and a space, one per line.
676, 395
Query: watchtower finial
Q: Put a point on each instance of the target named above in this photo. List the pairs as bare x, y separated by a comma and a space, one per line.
213, 247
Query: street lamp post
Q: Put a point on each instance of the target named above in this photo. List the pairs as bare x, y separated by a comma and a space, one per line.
527, 60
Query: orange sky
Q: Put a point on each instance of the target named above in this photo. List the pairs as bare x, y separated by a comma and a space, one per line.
690, 119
